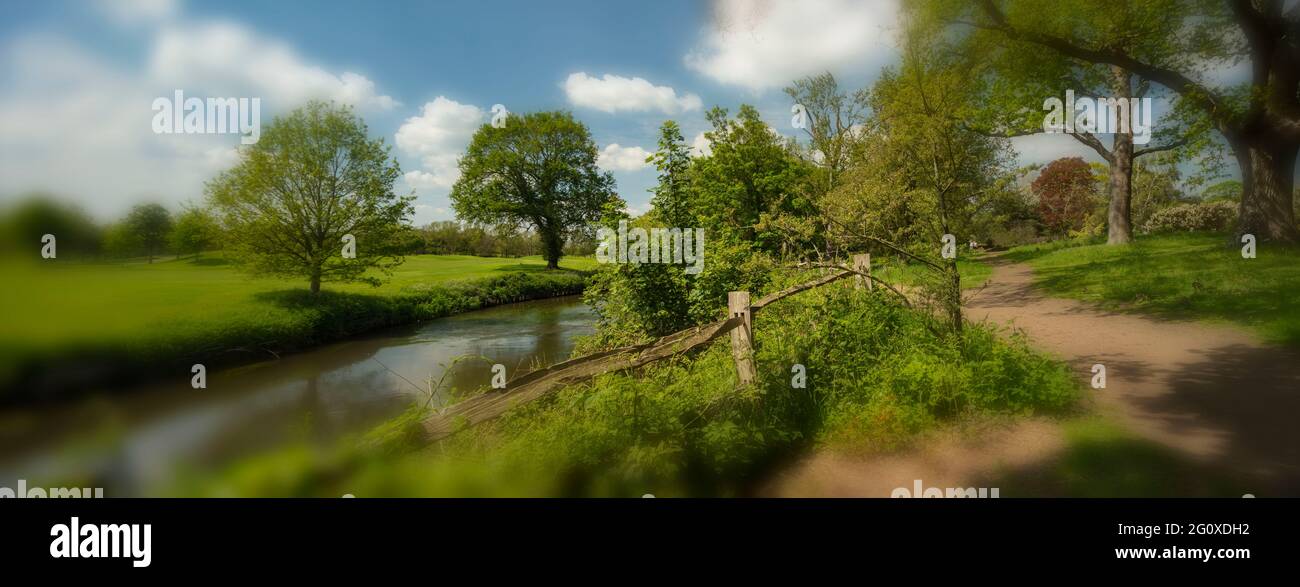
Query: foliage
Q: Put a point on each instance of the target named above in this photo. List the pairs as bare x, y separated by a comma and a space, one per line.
150, 223
1066, 194
751, 177
449, 237
1204, 216
538, 168
314, 178
196, 230
35, 215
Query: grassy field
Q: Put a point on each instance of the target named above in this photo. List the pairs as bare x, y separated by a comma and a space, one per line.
194, 308
1188, 276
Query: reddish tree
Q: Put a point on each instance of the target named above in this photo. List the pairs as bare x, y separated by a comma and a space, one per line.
1066, 190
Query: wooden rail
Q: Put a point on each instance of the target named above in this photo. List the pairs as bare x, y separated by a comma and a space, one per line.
541, 382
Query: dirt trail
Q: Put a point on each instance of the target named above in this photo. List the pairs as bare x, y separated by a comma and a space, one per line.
1213, 393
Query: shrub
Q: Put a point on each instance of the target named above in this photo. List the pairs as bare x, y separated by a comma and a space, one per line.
1212, 216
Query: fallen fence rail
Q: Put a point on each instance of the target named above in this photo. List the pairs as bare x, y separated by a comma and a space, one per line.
540, 382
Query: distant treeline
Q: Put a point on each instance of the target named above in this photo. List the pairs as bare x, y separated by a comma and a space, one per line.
151, 230
449, 237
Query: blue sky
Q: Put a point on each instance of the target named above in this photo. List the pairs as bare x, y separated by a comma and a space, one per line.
79, 75
77, 78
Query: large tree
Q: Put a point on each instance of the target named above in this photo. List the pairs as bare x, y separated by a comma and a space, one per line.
537, 169
313, 179
1178, 44
151, 224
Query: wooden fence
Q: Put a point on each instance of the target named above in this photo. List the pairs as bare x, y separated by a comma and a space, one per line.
541, 382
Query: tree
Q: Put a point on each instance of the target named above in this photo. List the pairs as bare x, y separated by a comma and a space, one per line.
751, 175
195, 231
672, 196
1175, 43
314, 178
1065, 190
151, 224
833, 118
39, 214
922, 177
537, 169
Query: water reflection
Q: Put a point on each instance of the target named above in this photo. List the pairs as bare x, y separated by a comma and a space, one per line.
128, 443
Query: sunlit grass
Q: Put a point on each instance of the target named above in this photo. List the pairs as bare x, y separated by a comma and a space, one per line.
206, 308
1192, 276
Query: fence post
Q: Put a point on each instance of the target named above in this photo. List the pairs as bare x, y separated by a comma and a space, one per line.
862, 263
742, 336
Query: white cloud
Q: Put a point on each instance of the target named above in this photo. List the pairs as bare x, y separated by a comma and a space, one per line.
618, 158
701, 146
79, 124
229, 59
438, 136
613, 93
762, 45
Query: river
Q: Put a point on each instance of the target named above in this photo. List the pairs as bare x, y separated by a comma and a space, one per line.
139, 441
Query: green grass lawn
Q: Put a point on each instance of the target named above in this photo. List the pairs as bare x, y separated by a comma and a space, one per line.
973, 273
185, 307
1185, 276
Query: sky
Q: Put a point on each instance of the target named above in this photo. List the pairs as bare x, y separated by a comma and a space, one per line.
78, 79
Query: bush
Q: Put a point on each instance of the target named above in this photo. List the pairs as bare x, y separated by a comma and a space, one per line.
1212, 216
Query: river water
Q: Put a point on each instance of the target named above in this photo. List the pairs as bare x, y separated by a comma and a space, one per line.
136, 442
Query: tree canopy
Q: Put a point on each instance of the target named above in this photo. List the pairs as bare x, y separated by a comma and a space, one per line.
537, 169
314, 178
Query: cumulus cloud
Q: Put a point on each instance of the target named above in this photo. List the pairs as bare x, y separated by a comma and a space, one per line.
438, 136
615, 157
762, 45
226, 57
79, 124
700, 146
613, 93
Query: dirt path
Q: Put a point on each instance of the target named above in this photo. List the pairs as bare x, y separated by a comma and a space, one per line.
1212, 393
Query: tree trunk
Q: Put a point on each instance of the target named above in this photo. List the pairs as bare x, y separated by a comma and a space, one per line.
1268, 173
315, 282
1119, 219
552, 245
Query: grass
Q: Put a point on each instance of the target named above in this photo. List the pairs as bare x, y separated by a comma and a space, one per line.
876, 377
79, 315
1184, 276
973, 273
1102, 459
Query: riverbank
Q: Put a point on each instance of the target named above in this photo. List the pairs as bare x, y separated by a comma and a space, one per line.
83, 328
836, 368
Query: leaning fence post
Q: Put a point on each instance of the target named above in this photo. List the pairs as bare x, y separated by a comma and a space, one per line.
742, 336
862, 264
